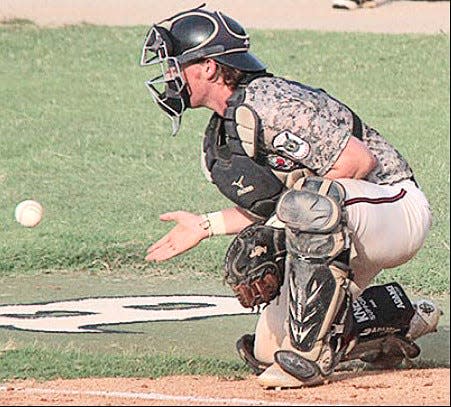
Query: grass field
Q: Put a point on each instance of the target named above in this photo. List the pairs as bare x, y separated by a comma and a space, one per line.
80, 134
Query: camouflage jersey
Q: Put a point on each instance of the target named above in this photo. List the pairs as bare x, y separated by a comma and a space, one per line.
311, 129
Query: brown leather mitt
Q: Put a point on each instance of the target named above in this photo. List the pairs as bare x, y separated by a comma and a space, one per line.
254, 264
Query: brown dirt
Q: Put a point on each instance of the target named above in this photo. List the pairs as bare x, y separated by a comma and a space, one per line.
396, 16
401, 387
425, 387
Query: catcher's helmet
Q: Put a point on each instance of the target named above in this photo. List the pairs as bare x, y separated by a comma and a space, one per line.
188, 37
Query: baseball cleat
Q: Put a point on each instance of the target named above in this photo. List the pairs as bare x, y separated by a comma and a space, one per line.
275, 377
245, 348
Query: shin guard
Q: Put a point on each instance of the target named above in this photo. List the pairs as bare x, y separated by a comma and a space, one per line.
318, 250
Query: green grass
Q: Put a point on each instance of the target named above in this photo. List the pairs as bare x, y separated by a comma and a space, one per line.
46, 364
81, 135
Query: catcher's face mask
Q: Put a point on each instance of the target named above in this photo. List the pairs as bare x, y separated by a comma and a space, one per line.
168, 87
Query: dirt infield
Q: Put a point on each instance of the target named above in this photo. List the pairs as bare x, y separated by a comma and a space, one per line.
401, 387
429, 387
396, 16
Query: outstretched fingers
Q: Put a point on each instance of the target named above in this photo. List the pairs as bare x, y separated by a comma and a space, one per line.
164, 240
186, 234
166, 247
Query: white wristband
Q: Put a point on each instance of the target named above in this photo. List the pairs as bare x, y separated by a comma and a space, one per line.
214, 222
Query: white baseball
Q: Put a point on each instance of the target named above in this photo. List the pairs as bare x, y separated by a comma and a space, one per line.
29, 213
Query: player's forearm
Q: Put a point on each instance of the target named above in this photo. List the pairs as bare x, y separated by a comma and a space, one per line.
228, 221
351, 171
355, 161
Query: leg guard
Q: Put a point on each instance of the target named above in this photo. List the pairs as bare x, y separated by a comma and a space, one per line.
318, 250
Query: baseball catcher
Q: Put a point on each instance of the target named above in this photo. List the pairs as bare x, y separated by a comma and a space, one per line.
321, 201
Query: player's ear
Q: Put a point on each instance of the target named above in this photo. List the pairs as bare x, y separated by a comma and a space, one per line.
211, 69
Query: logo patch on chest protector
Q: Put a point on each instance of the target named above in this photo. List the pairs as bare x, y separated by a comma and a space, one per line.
290, 144
280, 163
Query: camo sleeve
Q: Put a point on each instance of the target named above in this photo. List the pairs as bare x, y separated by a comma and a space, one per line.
301, 123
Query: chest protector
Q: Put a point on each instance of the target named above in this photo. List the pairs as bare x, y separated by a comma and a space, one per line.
232, 159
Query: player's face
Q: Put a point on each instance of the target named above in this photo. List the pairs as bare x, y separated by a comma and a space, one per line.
195, 84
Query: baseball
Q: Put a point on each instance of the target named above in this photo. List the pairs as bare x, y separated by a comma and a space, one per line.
29, 213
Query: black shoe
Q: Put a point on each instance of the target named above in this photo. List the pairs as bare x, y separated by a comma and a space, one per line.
245, 348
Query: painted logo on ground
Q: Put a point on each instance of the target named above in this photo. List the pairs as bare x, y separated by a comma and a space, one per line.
90, 315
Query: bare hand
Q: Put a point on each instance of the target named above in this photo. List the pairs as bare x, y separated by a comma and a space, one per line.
185, 235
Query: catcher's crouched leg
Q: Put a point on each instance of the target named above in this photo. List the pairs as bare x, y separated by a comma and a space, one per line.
387, 323
318, 245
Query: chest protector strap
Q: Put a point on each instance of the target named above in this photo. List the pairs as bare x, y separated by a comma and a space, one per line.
231, 158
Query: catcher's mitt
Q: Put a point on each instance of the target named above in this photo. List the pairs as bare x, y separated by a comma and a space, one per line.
254, 264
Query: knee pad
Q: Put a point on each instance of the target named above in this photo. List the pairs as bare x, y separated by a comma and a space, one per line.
313, 205
315, 219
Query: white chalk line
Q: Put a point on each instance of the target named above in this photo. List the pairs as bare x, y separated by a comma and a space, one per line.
150, 396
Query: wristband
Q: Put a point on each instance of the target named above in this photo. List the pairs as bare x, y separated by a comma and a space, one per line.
214, 223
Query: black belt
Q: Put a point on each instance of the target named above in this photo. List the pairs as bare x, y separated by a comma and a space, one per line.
412, 178
357, 130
